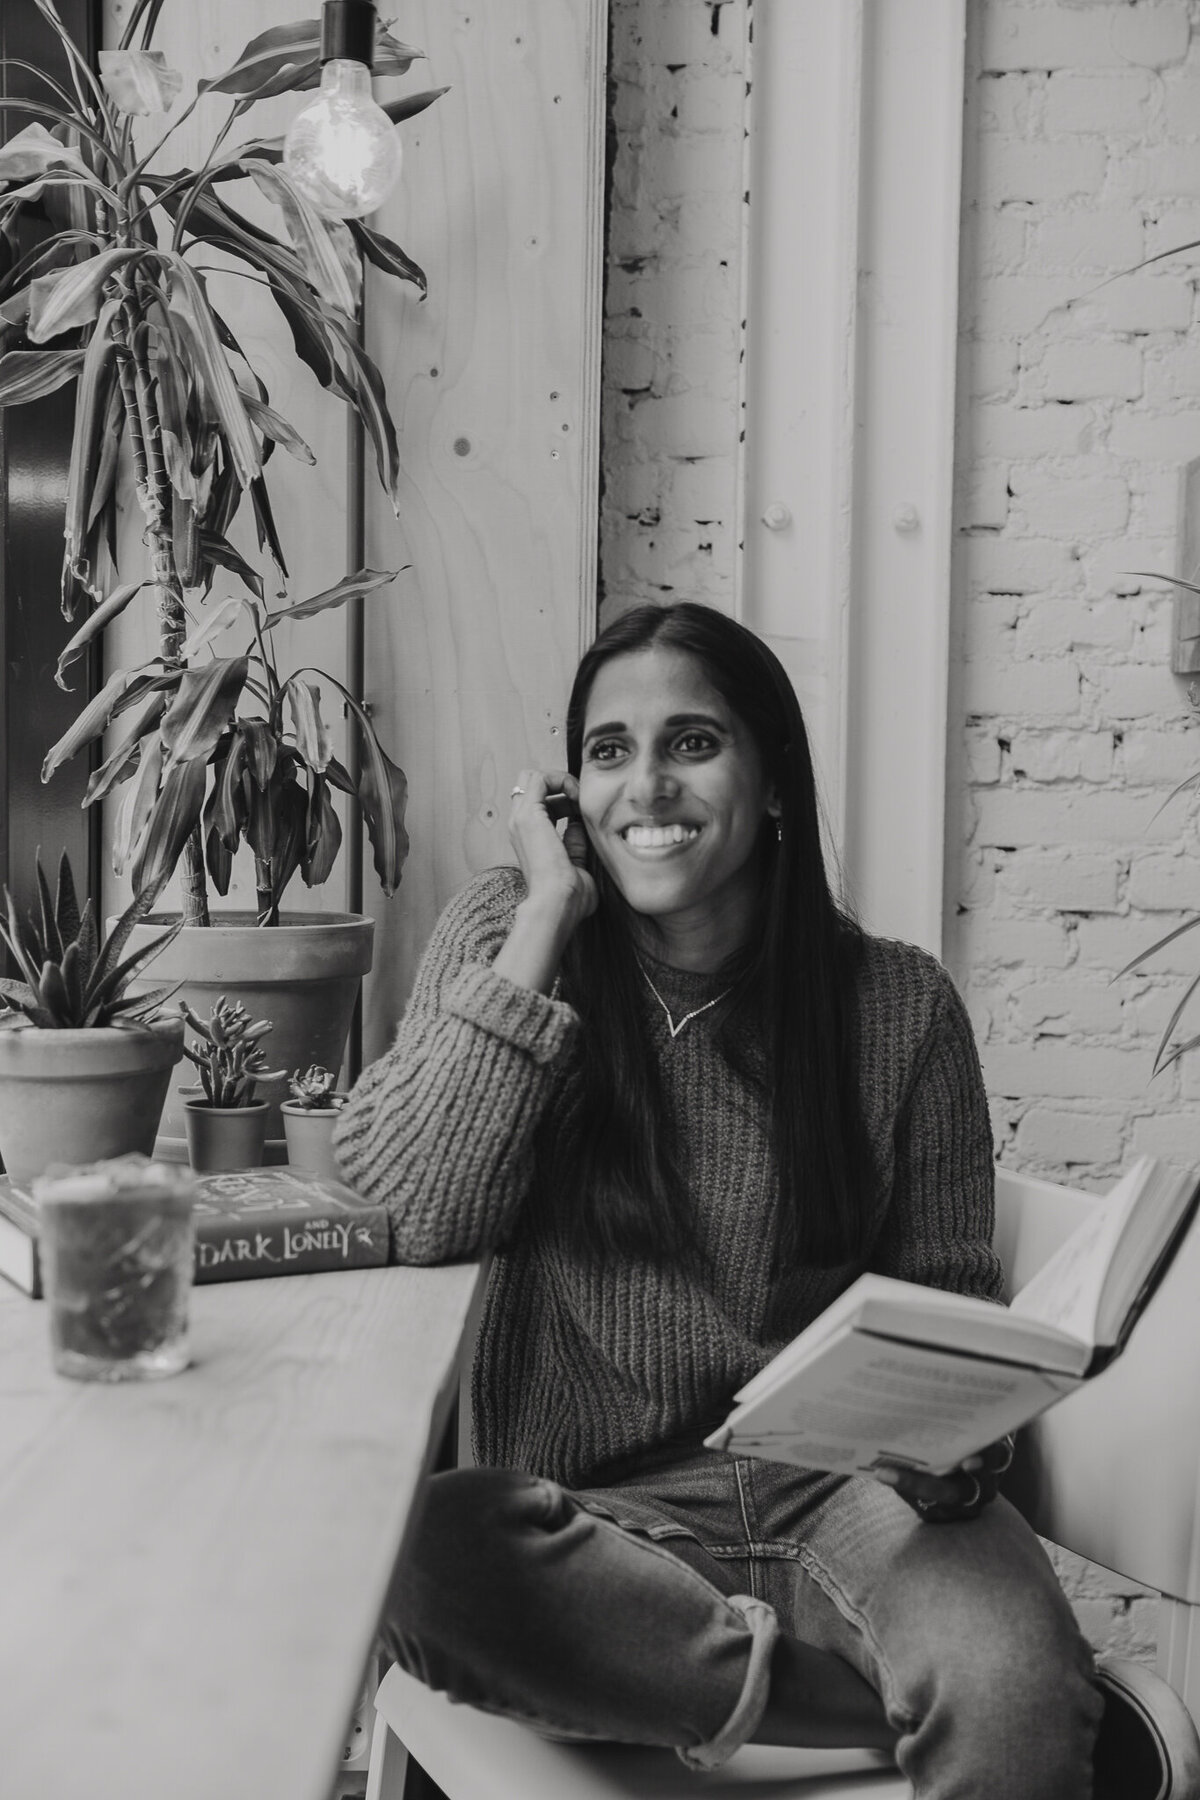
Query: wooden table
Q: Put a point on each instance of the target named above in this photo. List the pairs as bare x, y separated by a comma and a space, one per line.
191, 1570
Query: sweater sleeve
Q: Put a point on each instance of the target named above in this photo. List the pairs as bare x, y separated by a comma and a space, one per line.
441, 1127
939, 1224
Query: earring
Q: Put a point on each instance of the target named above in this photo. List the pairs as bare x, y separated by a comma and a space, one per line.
779, 831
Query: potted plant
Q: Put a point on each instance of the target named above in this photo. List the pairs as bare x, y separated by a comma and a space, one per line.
214, 750
227, 1128
84, 1063
309, 1117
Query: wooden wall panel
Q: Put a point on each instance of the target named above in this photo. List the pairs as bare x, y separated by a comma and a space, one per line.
494, 384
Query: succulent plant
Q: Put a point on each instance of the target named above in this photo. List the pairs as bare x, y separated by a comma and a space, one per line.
74, 979
314, 1089
228, 1055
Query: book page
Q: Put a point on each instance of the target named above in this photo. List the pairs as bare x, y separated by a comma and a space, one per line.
868, 1400
1089, 1284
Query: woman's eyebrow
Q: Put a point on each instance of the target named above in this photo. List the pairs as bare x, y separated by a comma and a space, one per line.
695, 718
614, 727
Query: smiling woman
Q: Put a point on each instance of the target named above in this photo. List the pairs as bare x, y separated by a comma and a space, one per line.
663, 1076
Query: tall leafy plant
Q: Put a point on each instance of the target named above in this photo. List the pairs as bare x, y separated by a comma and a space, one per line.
215, 750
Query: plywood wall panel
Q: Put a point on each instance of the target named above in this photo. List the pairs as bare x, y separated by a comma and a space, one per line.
494, 382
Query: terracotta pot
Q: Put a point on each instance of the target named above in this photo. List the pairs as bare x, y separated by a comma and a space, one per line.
224, 1137
309, 1134
78, 1096
303, 974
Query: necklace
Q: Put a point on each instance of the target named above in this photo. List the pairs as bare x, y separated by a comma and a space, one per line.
687, 1018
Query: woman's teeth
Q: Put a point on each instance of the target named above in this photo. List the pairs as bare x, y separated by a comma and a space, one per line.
658, 837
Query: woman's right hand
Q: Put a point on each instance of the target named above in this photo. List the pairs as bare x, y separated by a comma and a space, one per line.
560, 891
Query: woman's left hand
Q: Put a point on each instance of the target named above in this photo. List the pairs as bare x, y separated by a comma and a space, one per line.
961, 1494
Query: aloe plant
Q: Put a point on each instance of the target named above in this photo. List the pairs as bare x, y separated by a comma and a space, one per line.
115, 300
74, 979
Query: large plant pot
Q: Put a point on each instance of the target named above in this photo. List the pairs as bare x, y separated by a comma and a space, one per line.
303, 974
78, 1096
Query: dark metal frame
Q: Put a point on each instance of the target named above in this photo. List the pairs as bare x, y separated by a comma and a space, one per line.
35, 446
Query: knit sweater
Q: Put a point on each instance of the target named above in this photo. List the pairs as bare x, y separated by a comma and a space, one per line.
580, 1364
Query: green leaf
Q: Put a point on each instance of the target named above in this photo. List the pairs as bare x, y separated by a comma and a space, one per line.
411, 104
28, 374
351, 587
91, 724
97, 379
311, 732
1160, 944
324, 246
110, 975
383, 796
139, 803
295, 47
68, 298
138, 81
33, 152
391, 56
225, 812
263, 748
370, 402
202, 710
172, 820
126, 758
212, 625
264, 519
94, 624
218, 550
323, 835
193, 312
271, 424
387, 255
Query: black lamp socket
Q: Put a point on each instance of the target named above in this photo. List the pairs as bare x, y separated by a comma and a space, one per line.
348, 31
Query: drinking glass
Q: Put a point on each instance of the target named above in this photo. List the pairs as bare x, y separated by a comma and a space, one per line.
117, 1247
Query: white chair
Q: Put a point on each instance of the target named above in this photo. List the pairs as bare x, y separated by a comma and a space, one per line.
1111, 1473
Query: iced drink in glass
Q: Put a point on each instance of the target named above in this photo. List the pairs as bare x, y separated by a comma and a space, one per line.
117, 1246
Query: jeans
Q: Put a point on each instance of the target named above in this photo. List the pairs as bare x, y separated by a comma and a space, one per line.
664, 1607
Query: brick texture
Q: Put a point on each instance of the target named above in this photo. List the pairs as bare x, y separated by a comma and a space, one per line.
1079, 385
1071, 859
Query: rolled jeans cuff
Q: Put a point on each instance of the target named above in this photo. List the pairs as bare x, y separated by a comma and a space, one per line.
752, 1700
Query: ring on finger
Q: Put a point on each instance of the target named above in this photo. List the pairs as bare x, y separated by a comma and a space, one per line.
513, 792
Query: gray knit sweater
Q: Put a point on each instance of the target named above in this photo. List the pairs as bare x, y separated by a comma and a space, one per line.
579, 1366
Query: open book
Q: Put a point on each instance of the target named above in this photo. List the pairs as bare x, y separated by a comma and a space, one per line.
897, 1372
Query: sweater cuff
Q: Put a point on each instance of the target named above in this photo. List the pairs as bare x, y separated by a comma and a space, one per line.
520, 1016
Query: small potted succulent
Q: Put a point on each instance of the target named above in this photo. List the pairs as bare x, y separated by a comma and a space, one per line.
309, 1117
84, 1064
225, 1121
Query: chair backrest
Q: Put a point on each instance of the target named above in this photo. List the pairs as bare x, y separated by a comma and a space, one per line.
1112, 1471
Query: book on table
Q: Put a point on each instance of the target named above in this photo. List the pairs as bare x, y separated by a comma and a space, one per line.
276, 1220
896, 1372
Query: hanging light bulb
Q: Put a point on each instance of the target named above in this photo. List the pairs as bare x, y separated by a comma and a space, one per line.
342, 150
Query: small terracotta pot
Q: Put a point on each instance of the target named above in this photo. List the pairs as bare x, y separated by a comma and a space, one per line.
309, 1134
224, 1137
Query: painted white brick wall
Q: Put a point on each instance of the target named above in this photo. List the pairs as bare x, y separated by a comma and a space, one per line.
673, 329
1078, 402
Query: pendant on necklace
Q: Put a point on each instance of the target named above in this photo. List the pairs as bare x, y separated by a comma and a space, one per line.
687, 1018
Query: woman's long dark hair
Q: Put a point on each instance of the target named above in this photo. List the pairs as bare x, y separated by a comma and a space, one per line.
795, 981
